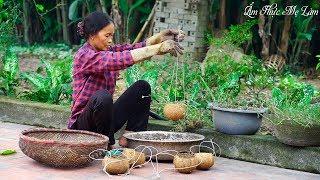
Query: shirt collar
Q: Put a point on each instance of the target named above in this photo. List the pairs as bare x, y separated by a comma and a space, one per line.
88, 45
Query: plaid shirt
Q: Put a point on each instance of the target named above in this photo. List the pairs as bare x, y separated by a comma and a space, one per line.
95, 70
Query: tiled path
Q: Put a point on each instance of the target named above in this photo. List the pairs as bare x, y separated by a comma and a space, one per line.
19, 166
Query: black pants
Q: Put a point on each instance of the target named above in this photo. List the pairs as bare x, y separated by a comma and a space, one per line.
103, 116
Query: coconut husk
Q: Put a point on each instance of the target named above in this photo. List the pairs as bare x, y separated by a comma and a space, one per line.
174, 111
206, 160
185, 162
115, 164
134, 157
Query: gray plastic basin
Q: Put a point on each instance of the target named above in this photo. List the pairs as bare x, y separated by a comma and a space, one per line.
236, 121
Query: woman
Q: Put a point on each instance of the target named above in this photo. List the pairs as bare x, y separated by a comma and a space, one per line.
95, 70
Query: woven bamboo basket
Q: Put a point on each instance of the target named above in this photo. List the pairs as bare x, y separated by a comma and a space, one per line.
61, 148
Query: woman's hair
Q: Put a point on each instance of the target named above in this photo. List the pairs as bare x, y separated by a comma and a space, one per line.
93, 23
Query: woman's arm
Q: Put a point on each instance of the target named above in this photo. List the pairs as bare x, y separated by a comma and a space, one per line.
102, 61
168, 34
168, 46
119, 47
98, 62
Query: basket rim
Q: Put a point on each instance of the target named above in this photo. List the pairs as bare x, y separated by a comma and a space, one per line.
24, 136
129, 137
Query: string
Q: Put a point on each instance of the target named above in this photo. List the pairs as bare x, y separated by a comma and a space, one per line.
212, 144
155, 155
172, 78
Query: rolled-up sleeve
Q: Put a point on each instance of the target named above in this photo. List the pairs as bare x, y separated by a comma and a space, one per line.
119, 48
97, 62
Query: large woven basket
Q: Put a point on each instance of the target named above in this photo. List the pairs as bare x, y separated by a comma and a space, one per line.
61, 148
296, 135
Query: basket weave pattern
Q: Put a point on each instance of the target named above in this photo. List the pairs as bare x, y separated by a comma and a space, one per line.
61, 148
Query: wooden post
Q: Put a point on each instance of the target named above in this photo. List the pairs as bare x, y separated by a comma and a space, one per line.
58, 12
65, 29
117, 19
222, 14
26, 22
264, 33
284, 42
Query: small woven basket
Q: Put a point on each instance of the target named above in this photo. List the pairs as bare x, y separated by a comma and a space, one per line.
61, 148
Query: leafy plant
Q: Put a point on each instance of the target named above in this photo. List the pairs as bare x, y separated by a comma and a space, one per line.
304, 116
134, 74
237, 34
9, 73
127, 10
196, 118
53, 85
9, 16
292, 103
173, 81
45, 51
239, 84
75, 8
291, 92
303, 33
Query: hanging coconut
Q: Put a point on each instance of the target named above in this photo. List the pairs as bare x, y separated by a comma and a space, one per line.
117, 164
185, 162
134, 157
174, 111
206, 160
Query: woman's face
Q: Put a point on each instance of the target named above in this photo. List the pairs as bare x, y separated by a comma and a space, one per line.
102, 40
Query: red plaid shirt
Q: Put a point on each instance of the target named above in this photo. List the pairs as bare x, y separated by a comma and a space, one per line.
95, 70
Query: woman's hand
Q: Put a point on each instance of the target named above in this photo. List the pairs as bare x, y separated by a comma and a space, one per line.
172, 47
169, 46
168, 34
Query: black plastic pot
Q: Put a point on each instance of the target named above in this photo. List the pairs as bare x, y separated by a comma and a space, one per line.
236, 121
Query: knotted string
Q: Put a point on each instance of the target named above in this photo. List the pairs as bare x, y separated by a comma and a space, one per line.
156, 171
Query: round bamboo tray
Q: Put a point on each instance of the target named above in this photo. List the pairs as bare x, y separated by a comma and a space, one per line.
61, 148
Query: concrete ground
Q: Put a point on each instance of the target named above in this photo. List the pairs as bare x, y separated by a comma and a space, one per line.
19, 166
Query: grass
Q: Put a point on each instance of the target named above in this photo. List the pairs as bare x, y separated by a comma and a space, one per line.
305, 116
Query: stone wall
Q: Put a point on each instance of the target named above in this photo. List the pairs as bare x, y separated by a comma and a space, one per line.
191, 16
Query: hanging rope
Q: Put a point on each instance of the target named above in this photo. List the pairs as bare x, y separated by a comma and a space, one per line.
175, 72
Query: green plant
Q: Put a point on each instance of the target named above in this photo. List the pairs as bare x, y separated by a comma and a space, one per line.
292, 92
173, 81
292, 103
53, 85
304, 116
237, 34
239, 84
9, 16
135, 73
167, 79
196, 118
303, 32
9, 73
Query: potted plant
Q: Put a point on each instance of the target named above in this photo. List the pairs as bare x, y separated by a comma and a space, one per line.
295, 118
239, 100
